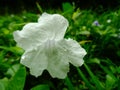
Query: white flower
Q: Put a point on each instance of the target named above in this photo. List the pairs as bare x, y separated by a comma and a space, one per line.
45, 46
109, 21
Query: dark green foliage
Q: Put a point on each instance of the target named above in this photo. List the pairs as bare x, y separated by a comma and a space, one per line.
17, 6
17, 82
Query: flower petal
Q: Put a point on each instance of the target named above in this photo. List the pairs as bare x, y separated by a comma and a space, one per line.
30, 36
48, 27
55, 24
58, 66
72, 50
36, 60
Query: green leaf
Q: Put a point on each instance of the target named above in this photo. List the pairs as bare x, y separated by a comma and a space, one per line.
18, 80
15, 50
110, 81
41, 87
118, 84
69, 83
39, 7
3, 83
67, 8
85, 79
110, 78
108, 72
11, 71
94, 78
2, 87
94, 60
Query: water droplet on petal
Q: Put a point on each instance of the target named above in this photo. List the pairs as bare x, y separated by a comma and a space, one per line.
23, 57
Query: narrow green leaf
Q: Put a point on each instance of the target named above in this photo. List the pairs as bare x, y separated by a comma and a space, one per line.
94, 78
69, 84
110, 78
41, 87
39, 7
108, 72
84, 78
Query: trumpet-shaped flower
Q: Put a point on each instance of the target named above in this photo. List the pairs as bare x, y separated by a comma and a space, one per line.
45, 46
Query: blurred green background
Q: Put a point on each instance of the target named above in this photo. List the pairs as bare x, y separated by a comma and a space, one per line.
16, 6
93, 23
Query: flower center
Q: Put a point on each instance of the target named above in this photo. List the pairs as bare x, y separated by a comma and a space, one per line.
50, 48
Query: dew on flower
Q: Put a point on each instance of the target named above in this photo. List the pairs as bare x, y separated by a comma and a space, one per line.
23, 57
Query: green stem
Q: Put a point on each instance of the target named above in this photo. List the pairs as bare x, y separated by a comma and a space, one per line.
39, 7
84, 79
69, 83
